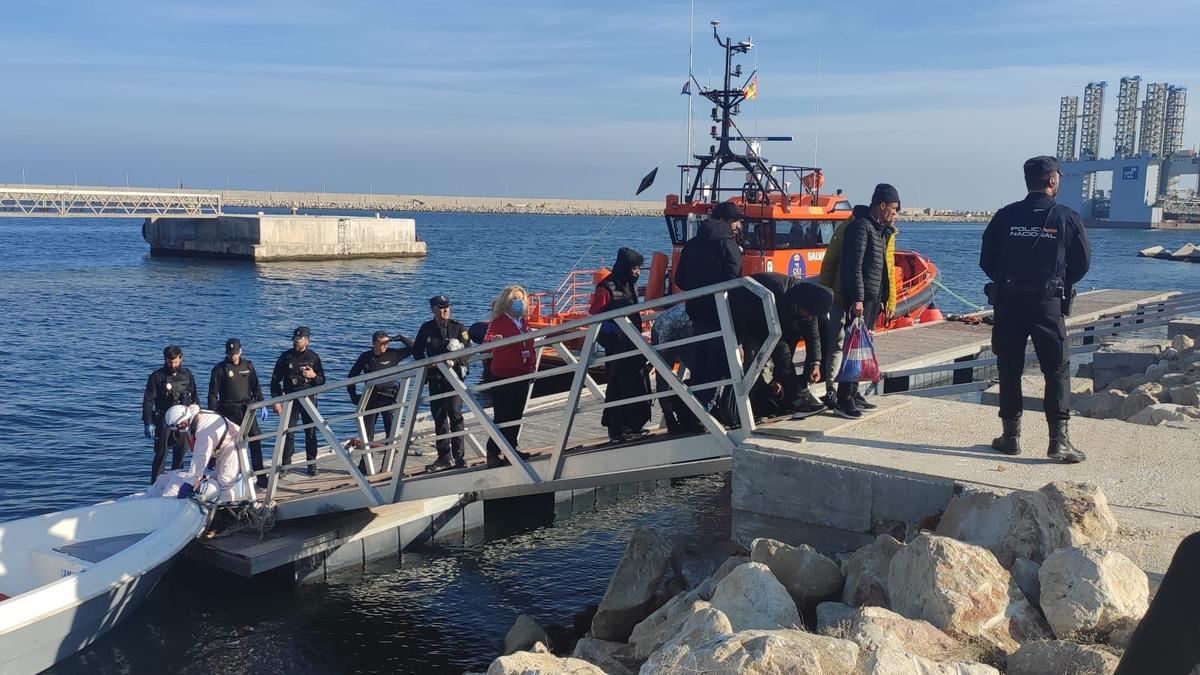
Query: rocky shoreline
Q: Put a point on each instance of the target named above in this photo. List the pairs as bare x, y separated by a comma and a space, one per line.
1151, 382
1020, 583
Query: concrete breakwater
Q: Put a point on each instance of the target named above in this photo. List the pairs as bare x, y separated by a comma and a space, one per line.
265, 238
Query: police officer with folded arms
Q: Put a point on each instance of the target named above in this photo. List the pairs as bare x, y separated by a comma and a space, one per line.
170, 385
297, 369
379, 357
1034, 251
439, 335
232, 386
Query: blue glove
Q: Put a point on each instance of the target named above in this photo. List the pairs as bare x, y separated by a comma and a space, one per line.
264, 414
149, 431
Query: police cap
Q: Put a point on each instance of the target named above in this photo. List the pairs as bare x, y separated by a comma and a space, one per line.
439, 301
233, 346
300, 332
1040, 166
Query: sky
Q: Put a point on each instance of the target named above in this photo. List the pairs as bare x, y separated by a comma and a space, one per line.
545, 98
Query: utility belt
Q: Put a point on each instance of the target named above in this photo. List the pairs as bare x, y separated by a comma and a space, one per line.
996, 292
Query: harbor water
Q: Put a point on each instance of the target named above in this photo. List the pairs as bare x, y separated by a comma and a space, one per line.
86, 312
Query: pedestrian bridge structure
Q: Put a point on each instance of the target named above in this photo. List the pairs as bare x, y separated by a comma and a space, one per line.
567, 447
24, 202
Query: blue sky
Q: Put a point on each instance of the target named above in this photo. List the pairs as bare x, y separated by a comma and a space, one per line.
540, 98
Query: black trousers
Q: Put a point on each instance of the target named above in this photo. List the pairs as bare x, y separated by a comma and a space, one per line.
626, 378
389, 416
846, 390
708, 357
236, 412
508, 404
447, 417
763, 401
310, 435
830, 326
677, 416
162, 440
1165, 643
1020, 317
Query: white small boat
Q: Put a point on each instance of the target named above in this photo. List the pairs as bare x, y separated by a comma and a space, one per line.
66, 578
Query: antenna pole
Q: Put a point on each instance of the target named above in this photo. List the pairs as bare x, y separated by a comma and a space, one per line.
817, 131
691, 41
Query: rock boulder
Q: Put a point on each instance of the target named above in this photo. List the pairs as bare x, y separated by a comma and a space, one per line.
699, 630
1187, 395
611, 657
523, 635
1141, 397
540, 660
773, 652
1052, 656
1025, 572
1091, 592
875, 628
867, 572
1160, 413
808, 576
631, 589
753, 598
1030, 523
961, 589
834, 618
898, 662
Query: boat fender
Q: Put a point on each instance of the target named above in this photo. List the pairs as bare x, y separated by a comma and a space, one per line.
656, 286
931, 314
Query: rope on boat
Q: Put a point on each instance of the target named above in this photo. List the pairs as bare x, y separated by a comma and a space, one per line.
977, 308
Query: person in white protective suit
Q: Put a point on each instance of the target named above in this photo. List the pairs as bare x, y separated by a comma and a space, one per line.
213, 441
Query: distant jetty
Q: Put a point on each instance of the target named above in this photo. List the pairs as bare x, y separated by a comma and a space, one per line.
1185, 253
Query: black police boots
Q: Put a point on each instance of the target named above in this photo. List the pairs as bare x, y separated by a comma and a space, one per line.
1060, 445
1010, 441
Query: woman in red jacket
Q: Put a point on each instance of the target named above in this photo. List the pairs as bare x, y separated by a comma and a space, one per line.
508, 400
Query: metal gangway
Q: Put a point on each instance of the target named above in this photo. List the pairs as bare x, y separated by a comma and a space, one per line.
22, 201
578, 455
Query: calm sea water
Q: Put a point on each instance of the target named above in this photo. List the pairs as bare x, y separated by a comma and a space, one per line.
86, 312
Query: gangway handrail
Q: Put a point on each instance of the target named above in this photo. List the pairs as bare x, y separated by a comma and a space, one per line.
411, 378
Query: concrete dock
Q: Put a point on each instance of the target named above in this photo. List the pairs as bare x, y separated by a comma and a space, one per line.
835, 483
267, 238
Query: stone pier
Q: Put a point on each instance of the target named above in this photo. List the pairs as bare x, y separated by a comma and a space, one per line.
267, 238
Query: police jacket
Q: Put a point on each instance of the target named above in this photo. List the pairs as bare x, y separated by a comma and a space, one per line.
749, 323
862, 271
231, 385
286, 378
164, 389
370, 362
1034, 241
433, 338
712, 256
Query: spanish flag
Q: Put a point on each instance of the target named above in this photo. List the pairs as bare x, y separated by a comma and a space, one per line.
751, 90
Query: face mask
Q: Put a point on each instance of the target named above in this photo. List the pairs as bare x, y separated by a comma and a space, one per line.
518, 307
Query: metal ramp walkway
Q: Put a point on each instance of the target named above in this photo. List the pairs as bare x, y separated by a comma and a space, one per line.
560, 434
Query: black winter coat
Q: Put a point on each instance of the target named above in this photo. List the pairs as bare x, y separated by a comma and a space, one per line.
712, 256
749, 324
863, 276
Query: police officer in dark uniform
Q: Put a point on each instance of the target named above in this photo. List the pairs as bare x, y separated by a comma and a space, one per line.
170, 385
1034, 251
232, 386
378, 357
439, 335
297, 369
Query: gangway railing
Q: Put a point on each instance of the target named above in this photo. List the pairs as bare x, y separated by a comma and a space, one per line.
81, 202
564, 463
